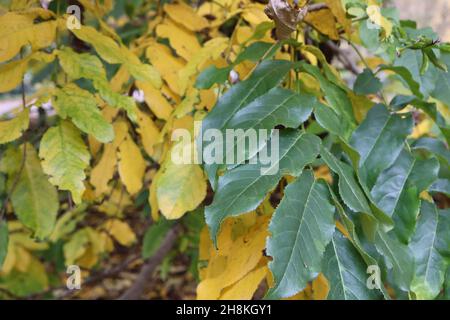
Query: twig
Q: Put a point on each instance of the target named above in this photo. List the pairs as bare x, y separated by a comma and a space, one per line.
316, 7
150, 265
346, 62
92, 279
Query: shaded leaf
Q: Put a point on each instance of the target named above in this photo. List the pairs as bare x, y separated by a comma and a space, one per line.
379, 140
301, 228
429, 245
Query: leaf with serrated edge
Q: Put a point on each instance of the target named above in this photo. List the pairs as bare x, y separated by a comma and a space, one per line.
243, 188
397, 191
349, 188
428, 245
35, 200
81, 107
379, 140
64, 158
301, 228
266, 76
398, 257
345, 271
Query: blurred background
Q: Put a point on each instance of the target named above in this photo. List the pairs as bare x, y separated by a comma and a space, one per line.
434, 13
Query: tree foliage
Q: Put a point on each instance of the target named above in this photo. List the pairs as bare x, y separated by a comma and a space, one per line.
361, 101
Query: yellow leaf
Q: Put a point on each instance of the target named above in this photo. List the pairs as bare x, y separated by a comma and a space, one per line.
148, 132
155, 100
120, 78
186, 16
375, 16
131, 165
254, 14
182, 40
361, 105
103, 172
187, 105
245, 288
323, 172
236, 256
11, 130
423, 128
11, 74
324, 21
168, 66
338, 11
208, 99
18, 30
211, 50
181, 188
118, 200
114, 53
320, 288
152, 199
121, 231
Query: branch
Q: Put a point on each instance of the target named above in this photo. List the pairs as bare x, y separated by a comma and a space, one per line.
316, 7
150, 265
343, 58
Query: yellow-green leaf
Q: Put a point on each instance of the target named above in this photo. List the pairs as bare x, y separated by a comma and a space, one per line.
64, 158
11, 130
34, 199
181, 188
80, 105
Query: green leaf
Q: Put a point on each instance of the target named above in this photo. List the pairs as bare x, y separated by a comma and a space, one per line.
64, 158
400, 102
431, 237
327, 118
4, 239
90, 67
301, 228
266, 76
447, 284
239, 191
349, 189
434, 146
442, 186
296, 151
243, 188
406, 75
379, 140
441, 91
398, 257
81, 107
212, 75
367, 83
345, 271
256, 51
153, 237
23, 284
335, 96
114, 53
34, 199
11, 130
276, 107
397, 191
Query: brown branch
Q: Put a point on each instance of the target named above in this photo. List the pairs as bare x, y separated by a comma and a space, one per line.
150, 265
343, 58
316, 7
